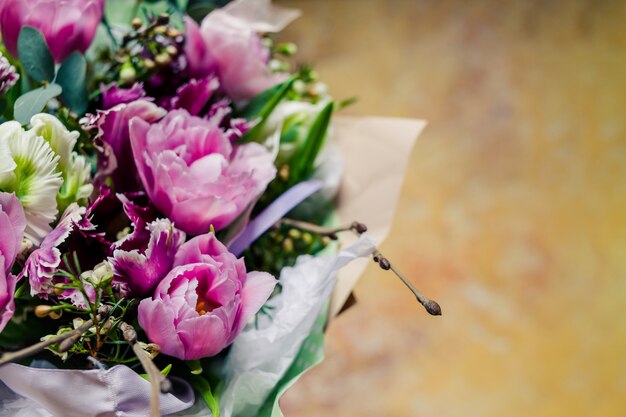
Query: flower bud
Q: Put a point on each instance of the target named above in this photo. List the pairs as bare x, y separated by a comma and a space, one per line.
173, 33
287, 49
43, 310
128, 75
171, 50
136, 23
163, 19
433, 308
163, 59
384, 264
149, 64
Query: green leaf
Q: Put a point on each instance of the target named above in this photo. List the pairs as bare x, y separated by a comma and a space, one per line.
303, 162
71, 77
198, 9
262, 106
35, 55
31, 103
203, 387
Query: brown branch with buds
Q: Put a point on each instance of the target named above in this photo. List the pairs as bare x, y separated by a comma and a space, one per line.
158, 381
431, 306
65, 340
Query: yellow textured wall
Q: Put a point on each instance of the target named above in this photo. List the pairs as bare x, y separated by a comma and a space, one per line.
513, 215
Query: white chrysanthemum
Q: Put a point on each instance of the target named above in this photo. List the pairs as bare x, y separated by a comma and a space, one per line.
28, 167
75, 168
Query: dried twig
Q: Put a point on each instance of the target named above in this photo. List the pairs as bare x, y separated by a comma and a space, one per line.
431, 306
159, 382
65, 340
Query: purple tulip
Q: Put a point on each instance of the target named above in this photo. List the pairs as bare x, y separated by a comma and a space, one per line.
67, 25
192, 172
12, 225
204, 302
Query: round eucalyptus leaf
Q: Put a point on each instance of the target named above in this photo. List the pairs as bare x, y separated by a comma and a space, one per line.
35, 55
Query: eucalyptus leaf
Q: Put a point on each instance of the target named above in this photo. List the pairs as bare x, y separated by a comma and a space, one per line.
71, 77
35, 55
31, 103
198, 9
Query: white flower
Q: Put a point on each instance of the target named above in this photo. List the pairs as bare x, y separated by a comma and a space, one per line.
40, 166
28, 167
75, 168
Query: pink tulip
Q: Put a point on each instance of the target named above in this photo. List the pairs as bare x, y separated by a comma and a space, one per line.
67, 25
12, 225
205, 301
192, 172
228, 45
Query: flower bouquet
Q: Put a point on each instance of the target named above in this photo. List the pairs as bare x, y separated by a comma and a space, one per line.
171, 202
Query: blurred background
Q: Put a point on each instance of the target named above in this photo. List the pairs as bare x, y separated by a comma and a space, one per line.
513, 213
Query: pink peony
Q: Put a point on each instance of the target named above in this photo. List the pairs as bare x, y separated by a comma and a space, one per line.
192, 172
67, 25
230, 47
204, 302
12, 225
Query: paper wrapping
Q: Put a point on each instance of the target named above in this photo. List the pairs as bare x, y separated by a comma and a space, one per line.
375, 151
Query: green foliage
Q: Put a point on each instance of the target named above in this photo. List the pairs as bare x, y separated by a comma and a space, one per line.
72, 78
203, 388
123, 11
197, 9
31, 103
35, 55
302, 163
262, 106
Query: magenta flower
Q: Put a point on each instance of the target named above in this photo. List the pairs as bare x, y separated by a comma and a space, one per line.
116, 158
113, 95
12, 225
43, 263
192, 172
204, 302
193, 96
67, 25
139, 272
229, 46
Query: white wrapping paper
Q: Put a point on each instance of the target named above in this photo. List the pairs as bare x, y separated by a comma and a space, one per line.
260, 357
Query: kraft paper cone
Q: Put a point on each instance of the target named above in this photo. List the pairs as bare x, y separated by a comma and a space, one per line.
376, 151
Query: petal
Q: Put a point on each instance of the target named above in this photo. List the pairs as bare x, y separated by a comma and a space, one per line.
257, 290
157, 320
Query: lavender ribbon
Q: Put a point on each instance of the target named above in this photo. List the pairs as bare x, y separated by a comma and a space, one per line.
117, 391
273, 213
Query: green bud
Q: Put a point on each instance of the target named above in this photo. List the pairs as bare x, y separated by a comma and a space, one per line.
128, 75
